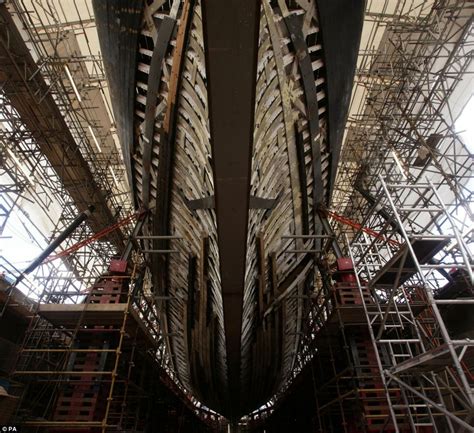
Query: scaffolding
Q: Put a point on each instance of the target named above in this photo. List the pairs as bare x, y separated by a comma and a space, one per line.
400, 367
67, 61
412, 63
71, 355
96, 365
28, 180
389, 346
406, 175
412, 81
426, 371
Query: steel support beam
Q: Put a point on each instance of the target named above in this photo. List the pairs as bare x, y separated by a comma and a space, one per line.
55, 243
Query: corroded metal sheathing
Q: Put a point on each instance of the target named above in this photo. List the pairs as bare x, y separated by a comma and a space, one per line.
341, 27
236, 125
118, 31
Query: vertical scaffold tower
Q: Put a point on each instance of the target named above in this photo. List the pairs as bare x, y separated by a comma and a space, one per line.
412, 278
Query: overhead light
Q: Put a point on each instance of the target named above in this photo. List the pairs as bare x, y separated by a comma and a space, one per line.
113, 175
68, 72
20, 166
95, 139
400, 166
117, 142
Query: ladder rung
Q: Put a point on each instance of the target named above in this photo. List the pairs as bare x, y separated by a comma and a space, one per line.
85, 373
455, 301
444, 266
401, 185
66, 349
420, 209
381, 313
431, 236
